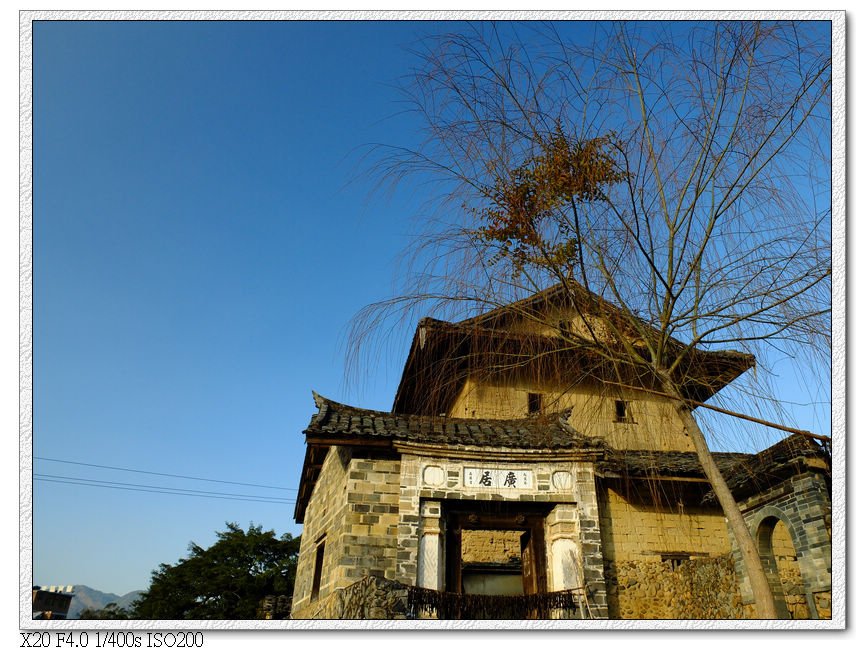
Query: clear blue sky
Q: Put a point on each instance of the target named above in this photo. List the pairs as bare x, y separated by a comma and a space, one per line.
199, 250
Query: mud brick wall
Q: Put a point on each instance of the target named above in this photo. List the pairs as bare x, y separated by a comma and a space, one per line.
499, 546
788, 573
654, 424
631, 528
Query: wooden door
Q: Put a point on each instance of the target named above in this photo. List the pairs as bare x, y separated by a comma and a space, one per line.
530, 569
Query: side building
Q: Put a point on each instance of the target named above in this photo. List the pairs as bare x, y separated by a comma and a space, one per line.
510, 480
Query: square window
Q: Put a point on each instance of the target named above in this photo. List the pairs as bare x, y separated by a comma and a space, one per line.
535, 403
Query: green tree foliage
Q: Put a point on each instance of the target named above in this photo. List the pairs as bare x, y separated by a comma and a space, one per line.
111, 612
224, 581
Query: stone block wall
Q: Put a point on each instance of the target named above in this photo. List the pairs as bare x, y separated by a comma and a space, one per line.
803, 504
701, 588
369, 538
323, 522
354, 510
409, 521
427, 482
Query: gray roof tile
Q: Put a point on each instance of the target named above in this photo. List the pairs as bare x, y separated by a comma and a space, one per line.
335, 420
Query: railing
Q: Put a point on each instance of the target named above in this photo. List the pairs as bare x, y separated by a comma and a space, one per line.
444, 605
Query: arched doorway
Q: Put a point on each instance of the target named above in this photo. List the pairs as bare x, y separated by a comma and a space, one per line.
778, 553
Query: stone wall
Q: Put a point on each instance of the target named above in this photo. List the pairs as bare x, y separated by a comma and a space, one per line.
369, 542
354, 510
368, 598
377, 598
429, 481
323, 523
702, 588
803, 505
274, 608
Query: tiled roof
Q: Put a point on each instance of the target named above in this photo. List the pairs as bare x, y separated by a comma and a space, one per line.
444, 354
336, 424
744, 473
775, 463
547, 432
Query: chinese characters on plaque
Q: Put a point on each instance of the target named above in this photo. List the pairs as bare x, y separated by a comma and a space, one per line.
512, 479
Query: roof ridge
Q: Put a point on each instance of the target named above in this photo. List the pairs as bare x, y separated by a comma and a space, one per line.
326, 405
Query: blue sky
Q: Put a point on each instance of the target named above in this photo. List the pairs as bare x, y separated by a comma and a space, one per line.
199, 248
201, 242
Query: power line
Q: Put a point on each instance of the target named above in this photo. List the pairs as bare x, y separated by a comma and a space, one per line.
132, 489
141, 471
163, 487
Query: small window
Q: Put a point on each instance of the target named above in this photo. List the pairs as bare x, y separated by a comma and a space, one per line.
675, 559
535, 403
623, 411
316, 575
566, 328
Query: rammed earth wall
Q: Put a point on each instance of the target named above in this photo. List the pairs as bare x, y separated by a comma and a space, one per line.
652, 423
637, 525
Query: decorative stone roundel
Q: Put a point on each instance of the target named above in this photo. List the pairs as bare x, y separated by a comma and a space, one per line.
433, 475
561, 480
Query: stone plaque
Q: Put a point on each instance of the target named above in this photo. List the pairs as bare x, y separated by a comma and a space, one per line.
501, 479
433, 475
561, 480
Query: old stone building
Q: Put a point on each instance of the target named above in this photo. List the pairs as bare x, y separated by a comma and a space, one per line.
503, 486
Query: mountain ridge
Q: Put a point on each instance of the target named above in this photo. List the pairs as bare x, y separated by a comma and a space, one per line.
87, 597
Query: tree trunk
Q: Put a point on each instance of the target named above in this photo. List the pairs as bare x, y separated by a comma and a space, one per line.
764, 601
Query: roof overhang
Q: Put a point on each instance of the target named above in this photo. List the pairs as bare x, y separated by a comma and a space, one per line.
444, 355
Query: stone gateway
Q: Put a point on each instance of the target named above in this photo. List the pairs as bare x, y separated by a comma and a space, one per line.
501, 486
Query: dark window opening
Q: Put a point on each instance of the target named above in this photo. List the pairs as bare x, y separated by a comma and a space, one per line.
316, 575
534, 403
566, 327
623, 411
675, 559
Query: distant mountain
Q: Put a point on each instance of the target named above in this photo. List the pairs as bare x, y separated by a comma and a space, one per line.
94, 599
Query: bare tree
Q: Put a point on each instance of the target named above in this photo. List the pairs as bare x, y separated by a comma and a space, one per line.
670, 178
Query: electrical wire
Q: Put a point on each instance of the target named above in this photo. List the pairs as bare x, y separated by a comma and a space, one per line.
141, 471
164, 487
215, 495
